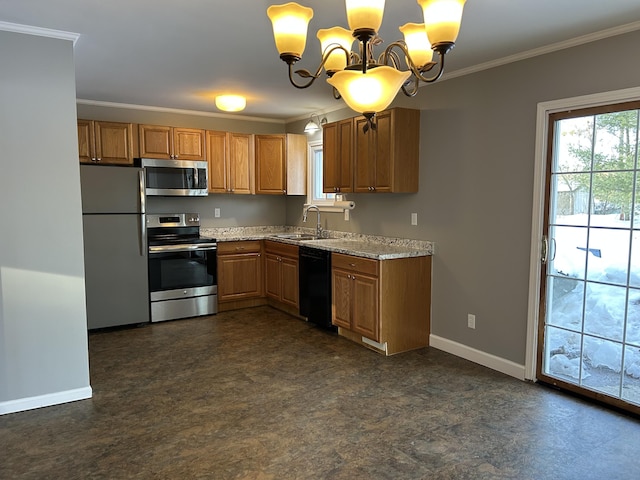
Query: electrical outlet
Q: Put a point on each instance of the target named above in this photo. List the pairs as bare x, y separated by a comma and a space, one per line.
216, 212
414, 219
471, 320
346, 215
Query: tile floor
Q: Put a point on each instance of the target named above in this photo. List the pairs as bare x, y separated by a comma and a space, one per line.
258, 395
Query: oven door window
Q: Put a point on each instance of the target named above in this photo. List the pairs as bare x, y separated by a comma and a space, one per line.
181, 269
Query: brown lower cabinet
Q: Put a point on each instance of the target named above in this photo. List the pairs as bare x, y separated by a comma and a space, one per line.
382, 304
281, 274
240, 274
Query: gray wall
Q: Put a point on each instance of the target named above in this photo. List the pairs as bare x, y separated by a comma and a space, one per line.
43, 329
476, 185
235, 210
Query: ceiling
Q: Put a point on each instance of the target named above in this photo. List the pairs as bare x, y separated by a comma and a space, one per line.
180, 54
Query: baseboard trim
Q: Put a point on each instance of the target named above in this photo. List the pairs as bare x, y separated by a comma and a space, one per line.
477, 356
30, 403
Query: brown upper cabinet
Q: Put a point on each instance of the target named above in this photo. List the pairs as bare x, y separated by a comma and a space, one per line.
281, 164
107, 143
387, 158
337, 163
172, 143
231, 162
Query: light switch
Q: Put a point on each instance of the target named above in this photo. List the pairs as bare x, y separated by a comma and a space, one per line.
216, 212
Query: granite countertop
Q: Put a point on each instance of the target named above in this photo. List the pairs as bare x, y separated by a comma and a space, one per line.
369, 246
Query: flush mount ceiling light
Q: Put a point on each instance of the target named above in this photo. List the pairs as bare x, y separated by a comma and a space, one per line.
231, 103
369, 85
313, 126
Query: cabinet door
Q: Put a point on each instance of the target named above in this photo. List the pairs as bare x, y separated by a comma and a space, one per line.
155, 141
270, 164
345, 155
85, 141
295, 164
114, 142
188, 144
330, 159
241, 161
365, 318
273, 285
382, 157
289, 285
217, 158
364, 157
239, 276
341, 294
337, 159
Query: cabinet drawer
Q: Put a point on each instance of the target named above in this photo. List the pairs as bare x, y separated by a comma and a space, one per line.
358, 264
247, 246
278, 248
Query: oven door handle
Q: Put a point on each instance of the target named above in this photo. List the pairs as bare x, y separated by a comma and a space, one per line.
183, 247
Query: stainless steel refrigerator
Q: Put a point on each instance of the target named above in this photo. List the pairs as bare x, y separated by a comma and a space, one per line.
115, 245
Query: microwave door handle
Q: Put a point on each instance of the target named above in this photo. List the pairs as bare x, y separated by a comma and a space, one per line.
195, 178
143, 219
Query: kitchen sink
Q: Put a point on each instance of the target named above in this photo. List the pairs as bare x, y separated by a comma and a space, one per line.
296, 236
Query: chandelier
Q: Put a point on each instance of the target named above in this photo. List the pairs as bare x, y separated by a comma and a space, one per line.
367, 84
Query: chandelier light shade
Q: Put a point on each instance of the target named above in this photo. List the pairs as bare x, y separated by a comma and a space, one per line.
366, 83
442, 19
370, 92
231, 103
364, 15
290, 22
418, 45
331, 37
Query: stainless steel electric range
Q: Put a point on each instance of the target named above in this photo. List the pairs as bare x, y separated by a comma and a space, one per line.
182, 267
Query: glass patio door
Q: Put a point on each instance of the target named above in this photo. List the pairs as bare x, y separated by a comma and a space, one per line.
589, 328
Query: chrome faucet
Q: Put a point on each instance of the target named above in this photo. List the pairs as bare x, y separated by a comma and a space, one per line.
304, 218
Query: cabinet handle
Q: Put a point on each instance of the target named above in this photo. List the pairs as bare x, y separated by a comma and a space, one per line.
352, 264
284, 192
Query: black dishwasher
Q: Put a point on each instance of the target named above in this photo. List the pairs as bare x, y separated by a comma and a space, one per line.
315, 285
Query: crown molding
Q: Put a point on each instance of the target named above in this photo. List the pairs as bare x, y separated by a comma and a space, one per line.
199, 113
554, 47
39, 31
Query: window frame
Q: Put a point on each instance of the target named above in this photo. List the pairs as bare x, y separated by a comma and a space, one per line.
326, 204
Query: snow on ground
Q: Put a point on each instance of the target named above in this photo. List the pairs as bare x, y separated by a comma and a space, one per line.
608, 358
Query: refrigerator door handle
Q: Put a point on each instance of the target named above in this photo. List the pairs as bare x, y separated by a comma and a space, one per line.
143, 197
143, 218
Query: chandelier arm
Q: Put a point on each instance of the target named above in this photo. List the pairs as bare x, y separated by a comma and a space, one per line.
413, 83
437, 75
389, 55
313, 77
302, 73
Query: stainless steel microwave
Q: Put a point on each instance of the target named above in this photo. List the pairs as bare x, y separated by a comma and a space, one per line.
181, 178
